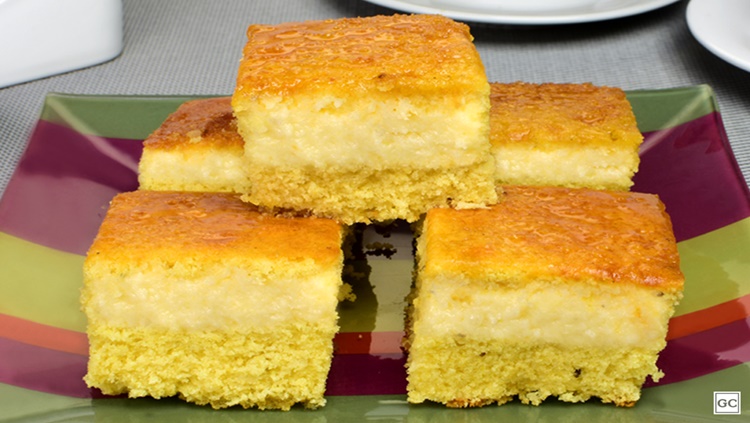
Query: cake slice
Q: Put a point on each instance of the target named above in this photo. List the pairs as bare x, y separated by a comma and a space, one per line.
552, 292
197, 148
365, 119
202, 296
570, 135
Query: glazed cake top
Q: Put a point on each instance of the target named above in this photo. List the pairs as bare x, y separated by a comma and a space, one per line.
197, 123
550, 115
169, 226
560, 234
418, 53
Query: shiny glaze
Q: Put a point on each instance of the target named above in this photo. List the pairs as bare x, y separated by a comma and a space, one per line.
205, 122
551, 115
381, 53
558, 234
142, 225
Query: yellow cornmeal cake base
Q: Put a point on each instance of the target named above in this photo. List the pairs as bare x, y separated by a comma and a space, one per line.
380, 195
222, 368
465, 372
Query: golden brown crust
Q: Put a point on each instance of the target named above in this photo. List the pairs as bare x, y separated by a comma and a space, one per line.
554, 115
169, 226
548, 233
356, 55
205, 123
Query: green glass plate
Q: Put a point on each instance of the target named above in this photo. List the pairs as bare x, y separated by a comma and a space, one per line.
85, 149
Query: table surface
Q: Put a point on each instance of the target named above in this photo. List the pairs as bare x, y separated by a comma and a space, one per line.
192, 47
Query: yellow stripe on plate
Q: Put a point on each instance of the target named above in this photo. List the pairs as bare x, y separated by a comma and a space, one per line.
716, 267
40, 284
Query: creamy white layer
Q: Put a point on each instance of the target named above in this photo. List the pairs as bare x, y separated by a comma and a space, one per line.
595, 167
220, 170
215, 297
322, 131
565, 314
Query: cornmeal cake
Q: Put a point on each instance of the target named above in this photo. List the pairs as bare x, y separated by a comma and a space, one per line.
365, 119
571, 135
200, 295
552, 292
197, 148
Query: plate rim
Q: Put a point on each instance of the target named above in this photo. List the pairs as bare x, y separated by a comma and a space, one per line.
641, 6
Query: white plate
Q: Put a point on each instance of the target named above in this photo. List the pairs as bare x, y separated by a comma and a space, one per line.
528, 12
722, 26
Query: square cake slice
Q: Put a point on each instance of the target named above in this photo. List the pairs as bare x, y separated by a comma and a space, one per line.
202, 296
197, 148
365, 119
570, 135
552, 292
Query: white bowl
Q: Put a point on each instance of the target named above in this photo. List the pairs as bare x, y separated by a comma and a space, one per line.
46, 37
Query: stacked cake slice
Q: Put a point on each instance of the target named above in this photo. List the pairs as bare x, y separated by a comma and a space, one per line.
365, 119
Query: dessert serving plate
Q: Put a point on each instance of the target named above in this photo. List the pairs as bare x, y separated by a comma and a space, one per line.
528, 12
85, 149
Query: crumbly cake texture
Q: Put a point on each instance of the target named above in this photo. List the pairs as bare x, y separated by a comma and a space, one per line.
570, 135
552, 292
365, 119
201, 295
197, 148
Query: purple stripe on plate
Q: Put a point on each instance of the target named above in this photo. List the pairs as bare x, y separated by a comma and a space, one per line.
364, 374
693, 170
705, 352
59, 192
40, 369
